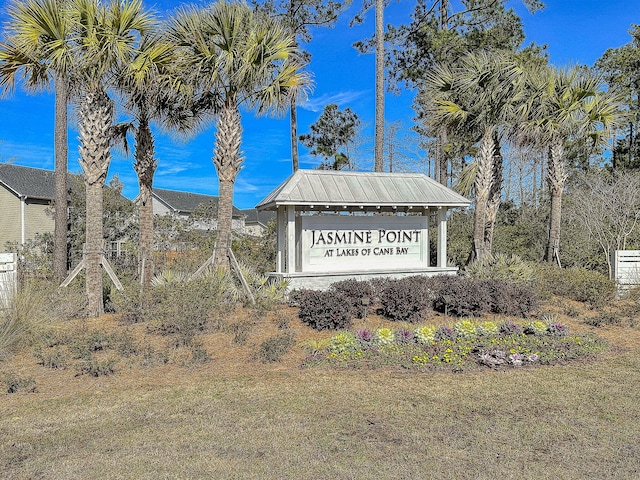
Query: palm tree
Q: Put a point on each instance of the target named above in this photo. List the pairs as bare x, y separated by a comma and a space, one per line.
569, 103
237, 57
108, 38
146, 84
38, 50
479, 94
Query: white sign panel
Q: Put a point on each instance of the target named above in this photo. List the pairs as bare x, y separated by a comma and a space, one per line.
8, 278
340, 243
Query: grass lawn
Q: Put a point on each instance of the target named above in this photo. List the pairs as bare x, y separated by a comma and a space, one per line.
238, 418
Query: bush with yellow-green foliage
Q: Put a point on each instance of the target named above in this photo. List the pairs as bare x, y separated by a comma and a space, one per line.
578, 284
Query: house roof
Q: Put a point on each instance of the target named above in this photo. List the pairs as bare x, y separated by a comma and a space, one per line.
28, 182
339, 190
186, 202
257, 216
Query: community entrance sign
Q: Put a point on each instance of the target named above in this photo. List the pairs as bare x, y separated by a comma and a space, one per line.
336, 225
367, 243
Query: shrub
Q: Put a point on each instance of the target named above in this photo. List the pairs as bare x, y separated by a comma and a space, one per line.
606, 318
183, 309
176, 305
460, 296
97, 367
577, 284
324, 310
15, 383
405, 299
152, 357
125, 344
28, 311
52, 357
359, 293
267, 292
511, 299
12, 332
240, 331
508, 268
83, 345
272, 349
199, 355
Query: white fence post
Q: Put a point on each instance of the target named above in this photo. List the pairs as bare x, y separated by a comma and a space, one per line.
8, 278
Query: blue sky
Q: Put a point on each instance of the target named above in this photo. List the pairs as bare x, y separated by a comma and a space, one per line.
576, 31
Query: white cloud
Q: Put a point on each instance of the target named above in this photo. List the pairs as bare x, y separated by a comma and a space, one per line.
32, 155
318, 103
242, 186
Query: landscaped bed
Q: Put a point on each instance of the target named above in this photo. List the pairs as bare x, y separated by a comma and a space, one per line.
464, 346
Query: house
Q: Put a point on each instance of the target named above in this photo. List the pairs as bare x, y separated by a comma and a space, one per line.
255, 221
183, 204
26, 195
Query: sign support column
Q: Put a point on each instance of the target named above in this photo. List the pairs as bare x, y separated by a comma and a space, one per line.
442, 237
280, 255
291, 239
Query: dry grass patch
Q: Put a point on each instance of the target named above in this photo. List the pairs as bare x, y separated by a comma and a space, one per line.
239, 417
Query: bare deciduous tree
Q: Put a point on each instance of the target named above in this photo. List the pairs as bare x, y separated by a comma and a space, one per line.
608, 207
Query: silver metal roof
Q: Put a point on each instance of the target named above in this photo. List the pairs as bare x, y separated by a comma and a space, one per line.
320, 189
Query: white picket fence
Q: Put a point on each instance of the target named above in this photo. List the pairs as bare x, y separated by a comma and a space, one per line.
626, 269
8, 278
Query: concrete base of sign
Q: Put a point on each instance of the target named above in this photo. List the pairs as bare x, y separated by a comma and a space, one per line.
322, 281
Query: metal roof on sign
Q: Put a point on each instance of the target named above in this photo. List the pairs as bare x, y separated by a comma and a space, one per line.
337, 189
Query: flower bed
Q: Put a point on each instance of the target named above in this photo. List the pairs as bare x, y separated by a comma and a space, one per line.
463, 346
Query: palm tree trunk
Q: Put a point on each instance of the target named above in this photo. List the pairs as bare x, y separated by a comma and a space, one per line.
379, 127
443, 160
483, 182
294, 136
96, 118
94, 248
227, 159
60, 175
495, 195
146, 258
224, 224
556, 177
145, 167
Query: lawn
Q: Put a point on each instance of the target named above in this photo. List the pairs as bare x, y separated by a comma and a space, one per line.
238, 418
